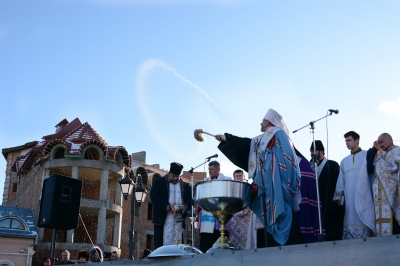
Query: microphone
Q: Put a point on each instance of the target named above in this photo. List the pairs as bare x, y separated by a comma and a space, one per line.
336, 111
214, 156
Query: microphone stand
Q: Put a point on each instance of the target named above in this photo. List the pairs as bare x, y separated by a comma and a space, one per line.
314, 159
192, 192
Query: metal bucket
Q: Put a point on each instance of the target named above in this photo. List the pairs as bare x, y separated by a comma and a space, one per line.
223, 195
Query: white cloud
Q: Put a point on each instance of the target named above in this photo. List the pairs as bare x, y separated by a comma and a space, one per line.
390, 107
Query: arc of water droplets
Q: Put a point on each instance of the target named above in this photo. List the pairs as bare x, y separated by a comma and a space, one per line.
142, 75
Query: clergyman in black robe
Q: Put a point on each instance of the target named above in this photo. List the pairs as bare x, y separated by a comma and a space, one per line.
328, 172
159, 195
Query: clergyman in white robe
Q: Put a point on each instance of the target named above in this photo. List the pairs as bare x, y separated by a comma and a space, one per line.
353, 185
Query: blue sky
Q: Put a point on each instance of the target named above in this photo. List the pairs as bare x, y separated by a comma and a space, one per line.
146, 74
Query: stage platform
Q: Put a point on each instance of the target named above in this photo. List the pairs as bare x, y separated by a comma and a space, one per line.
369, 251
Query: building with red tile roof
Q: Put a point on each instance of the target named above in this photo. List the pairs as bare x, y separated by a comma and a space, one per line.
76, 150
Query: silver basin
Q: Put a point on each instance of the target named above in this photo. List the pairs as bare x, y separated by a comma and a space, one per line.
174, 251
223, 195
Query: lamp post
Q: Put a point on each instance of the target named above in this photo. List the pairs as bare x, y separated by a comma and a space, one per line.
127, 185
140, 195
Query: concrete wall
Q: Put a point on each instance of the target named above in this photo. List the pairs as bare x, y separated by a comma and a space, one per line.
17, 251
371, 251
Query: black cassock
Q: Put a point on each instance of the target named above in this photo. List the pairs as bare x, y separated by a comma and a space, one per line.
332, 214
237, 150
159, 194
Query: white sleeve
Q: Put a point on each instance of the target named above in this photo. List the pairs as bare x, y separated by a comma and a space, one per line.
339, 184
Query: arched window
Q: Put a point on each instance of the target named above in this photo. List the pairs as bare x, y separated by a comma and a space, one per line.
92, 153
12, 223
5, 262
142, 171
118, 159
59, 153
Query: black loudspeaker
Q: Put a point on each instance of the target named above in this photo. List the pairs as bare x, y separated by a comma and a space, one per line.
59, 206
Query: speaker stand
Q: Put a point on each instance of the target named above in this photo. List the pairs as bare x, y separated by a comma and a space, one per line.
53, 244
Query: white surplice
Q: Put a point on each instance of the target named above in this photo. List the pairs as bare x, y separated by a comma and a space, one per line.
351, 168
173, 229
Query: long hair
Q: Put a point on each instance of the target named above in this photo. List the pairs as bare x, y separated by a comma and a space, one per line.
94, 250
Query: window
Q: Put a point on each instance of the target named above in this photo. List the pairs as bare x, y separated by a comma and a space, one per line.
118, 159
59, 153
149, 242
12, 223
92, 154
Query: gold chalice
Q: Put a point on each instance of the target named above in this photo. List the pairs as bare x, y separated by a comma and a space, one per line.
223, 198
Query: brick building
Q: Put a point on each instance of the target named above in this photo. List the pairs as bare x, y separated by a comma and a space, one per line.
76, 150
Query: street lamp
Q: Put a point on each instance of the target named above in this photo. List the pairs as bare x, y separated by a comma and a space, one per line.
127, 185
140, 195
140, 191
